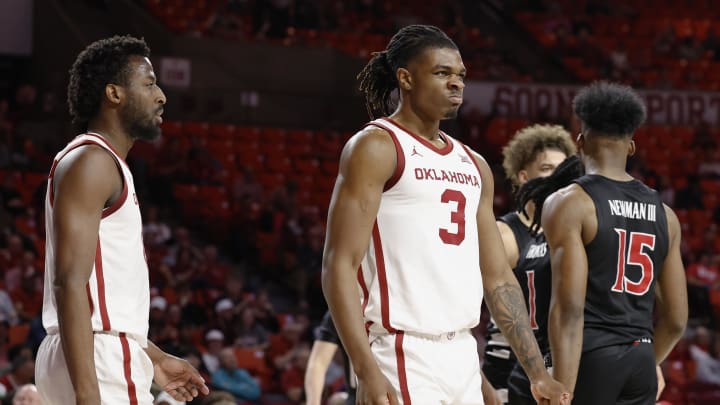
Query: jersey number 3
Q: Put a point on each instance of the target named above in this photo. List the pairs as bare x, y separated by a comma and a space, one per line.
456, 217
634, 254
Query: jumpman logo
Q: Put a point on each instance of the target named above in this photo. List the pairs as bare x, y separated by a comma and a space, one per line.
415, 152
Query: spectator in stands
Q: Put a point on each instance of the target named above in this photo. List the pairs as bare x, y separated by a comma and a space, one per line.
28, 296
293, 377
281, 350
158, 317
212, 271
229, 377
26, 395
249, 333
225, 318
22, 371
705, 353
11, 255
155, 232
214, 342
7, 309
701, 277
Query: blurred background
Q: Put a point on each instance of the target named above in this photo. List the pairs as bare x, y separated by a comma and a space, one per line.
261, 98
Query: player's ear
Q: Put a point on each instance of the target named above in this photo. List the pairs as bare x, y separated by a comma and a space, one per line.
580, 140
522, 176
114, 93
404, 79
631, 148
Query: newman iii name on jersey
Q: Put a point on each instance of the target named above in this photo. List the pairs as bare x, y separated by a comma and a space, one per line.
633, 210
536, 251
422, 173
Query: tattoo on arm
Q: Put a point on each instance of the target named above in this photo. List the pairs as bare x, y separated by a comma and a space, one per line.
507, 306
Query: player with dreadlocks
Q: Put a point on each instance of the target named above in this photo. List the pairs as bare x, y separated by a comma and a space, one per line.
615, 256
404, 222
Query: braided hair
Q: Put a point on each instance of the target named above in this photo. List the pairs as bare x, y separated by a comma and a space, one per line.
378, 79
539, 189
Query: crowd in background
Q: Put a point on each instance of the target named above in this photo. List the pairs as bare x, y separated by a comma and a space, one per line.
244, 315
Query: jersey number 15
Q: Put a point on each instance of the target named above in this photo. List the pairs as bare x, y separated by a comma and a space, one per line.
634, 254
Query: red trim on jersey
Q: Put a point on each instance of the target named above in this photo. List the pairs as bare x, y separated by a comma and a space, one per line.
108, 144
366, 295
470, 155
382, 279
132, 393
55, 163
363, 286
442, 151
402, 374
90, 301
400, 164
101, 288
119, 202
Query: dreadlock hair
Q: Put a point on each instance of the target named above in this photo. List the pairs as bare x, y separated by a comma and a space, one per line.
378, 79
539, 189
528, 142
102, 62
611, 109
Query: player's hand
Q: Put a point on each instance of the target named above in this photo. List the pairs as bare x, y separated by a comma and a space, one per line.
661, 382
179, 379
375, 390
548, 391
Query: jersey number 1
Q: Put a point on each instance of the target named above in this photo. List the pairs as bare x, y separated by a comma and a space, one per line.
634, 254
532, 308
456, 217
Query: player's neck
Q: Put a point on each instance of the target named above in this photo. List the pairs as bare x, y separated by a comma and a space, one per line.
607, 164
113, 133
425, 127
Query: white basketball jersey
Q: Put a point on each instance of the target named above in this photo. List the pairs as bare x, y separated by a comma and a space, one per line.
421, 272
119, 289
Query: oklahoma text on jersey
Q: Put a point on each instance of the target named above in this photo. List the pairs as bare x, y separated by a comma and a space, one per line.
423, 173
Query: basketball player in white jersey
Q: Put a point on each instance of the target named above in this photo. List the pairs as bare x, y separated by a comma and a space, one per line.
411, 227
96, 301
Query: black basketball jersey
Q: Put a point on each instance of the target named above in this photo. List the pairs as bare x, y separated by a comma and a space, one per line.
624, 261
533, 274
326, 332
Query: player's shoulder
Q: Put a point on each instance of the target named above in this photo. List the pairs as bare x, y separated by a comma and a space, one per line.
571, 198
370, 136
90, 157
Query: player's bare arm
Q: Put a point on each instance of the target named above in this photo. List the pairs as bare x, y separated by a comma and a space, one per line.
86, 180
366, 163
320, 357
176, 376
504, 296
564, 221
509, 242
670, 294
